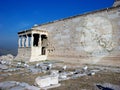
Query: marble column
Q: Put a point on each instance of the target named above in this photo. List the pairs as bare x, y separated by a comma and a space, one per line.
27, 41
39, 44
19, 41
23, 41
32, 39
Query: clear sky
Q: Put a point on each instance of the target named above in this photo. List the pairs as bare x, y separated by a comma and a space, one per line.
17, 15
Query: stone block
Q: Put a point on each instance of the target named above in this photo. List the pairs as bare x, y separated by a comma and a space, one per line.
43, 81
54, 80
46, 81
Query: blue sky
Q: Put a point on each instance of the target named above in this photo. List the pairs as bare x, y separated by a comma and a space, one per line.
17, 15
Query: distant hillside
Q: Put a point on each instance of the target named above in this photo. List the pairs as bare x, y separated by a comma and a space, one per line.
8, 51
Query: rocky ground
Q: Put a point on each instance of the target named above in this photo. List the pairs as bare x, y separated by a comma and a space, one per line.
21, 75
106, 79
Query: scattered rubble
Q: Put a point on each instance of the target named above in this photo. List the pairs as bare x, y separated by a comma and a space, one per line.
64, 67
107, 86
85, 68
50, 80
34, 70
91, 73
63, 76
44, 66
13, 85
6, 62
3, 67
12, 70
7, 57
22, 65
54, 72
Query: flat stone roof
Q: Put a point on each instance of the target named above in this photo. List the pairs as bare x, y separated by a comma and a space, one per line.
31, 30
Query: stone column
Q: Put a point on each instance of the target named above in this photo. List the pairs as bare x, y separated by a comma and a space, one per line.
32, 39
27, 41
19, 41
23, 40
39, 44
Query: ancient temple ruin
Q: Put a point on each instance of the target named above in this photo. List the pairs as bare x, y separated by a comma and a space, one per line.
78, 38
32, 45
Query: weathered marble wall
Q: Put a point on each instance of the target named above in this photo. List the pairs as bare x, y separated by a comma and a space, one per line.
23, 54
95, 34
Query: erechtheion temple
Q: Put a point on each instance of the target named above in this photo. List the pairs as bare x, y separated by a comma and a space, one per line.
94, 35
